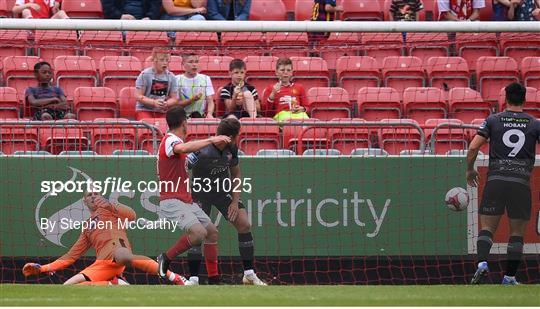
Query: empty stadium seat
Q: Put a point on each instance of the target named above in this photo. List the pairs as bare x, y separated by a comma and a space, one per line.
369, 152
242, 44
471, 46
82, 8
532, 101
19, 73
520, 45
261, 71
530, 72
355, 72
339, 44
10, 105
310, 72
146, 137
13, 43
467, 104
427, 45
73, 72
326, 103
493, 73
477, 122
447, 72
18, 138
54, 43
377, 103
97, 44
404, 136
127, 102
203, 43
288, 44
303, 10
268, 10
116, 134
56, 139
140, 43
292, 131
347, 138
422, 103
217, 67
402, 72
4, 11
257, 134
275, 153
382, 45
77, 153
442, 138
322, 152
118, 72
201, 128
94, 102
361, 10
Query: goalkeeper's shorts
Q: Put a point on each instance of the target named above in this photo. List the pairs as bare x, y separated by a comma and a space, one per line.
102, 270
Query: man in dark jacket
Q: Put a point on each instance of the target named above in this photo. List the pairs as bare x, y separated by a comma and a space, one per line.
131, 9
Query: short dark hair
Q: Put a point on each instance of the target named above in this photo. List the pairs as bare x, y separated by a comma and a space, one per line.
237, 64
283, 61
38, 65
229, 126
175, 116
515, 94
189, 54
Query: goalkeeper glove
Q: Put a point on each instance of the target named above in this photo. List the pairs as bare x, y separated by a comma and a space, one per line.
32, 269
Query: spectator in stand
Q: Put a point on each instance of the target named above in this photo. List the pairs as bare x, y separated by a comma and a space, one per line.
460, 10
131, 9
526, 10
46, 102
286, 98
195, 90
228, 9
41, 9
156, 87
323, 10
241, 99
405, 10
503, 10
183, 10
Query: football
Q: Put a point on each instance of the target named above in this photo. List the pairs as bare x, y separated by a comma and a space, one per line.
457, 199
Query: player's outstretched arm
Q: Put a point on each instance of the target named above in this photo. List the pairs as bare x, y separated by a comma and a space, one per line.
474, 148
199, 144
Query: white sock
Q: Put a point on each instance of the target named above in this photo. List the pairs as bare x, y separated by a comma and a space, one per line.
194, 278
510, 277
172, 276
249, 272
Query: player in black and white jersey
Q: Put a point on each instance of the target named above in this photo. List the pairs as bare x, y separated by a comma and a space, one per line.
216, 181
512, 136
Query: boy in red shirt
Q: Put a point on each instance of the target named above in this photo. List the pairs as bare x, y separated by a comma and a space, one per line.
286, 98
41, 9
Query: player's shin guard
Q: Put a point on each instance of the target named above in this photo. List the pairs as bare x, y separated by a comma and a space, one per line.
211, 259
246, 248
483, 244
514, 252
181, 246
194, 256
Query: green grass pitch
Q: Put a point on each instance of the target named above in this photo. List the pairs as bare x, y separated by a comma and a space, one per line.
335, 295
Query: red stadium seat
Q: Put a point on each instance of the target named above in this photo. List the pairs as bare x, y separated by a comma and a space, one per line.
73, 72
289, 5
402, 72
395, 139
54, 43
311, 137
242, 44
520, 45
19, 73
471, 46
97, 44
493, 73
13, 43
118, 72
355, 72
427, 45
82, 8
256, 134
327, 103
361, 10
311, 72
346, 138
477, 122
530, 72
95, 102
268, 10
4, 11
339, 45
201, 128
140, 43
447, 72
445, 138
203, 43
467, 104
288, 44
18, 138
127, 102
377, 103
217, 67
422, 103
291, 134
56, 139
382, 45
146, 137
10, 106
303, 10
532, 101
116, 134
261, 72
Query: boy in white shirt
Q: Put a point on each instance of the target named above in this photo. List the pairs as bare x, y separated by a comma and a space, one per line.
195, 90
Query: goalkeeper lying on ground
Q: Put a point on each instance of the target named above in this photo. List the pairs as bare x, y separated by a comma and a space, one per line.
113, 251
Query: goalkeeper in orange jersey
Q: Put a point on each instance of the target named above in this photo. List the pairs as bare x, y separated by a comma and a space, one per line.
113, 251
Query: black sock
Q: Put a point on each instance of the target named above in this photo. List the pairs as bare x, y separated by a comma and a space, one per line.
514, 252
245, 245
483, 245
194, 256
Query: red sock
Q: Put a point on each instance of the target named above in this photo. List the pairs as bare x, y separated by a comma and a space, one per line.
210, 257
181, 246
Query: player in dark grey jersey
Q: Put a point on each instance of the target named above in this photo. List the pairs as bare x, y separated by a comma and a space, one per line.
512, 136
216, 181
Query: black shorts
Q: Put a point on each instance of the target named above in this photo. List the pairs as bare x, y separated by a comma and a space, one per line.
56, 114
512, 196
221, 202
